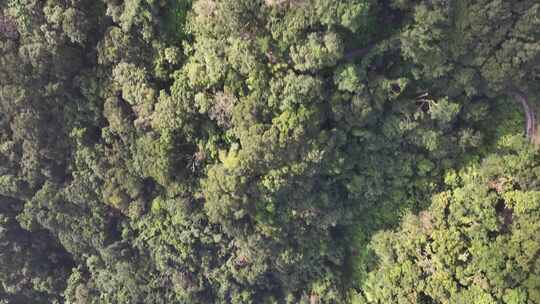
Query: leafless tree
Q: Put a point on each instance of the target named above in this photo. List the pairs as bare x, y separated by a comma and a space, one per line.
221, 111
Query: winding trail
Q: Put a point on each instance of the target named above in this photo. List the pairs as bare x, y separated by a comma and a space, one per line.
530, 116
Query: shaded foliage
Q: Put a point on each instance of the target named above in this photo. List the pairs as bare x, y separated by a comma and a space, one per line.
220, 151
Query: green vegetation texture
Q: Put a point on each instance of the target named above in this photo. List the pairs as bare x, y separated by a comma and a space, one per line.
269, 151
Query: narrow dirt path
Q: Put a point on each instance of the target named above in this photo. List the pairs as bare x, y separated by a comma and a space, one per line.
530, 116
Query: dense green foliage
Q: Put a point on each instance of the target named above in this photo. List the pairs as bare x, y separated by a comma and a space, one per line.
477, 243
269, 151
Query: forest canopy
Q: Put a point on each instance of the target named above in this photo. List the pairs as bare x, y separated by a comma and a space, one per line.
269, 151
